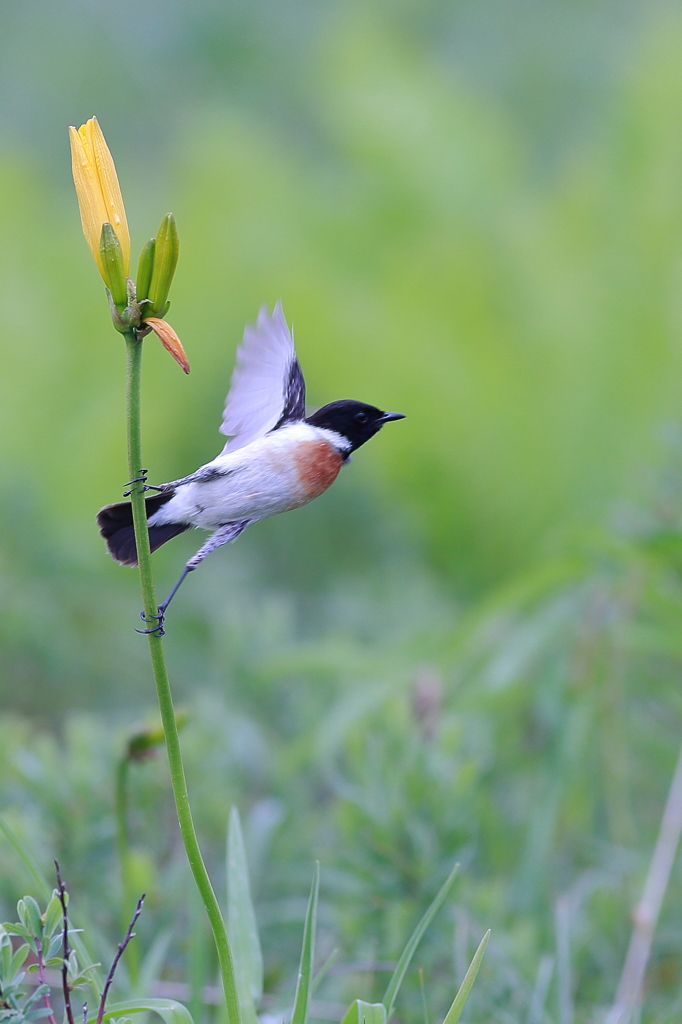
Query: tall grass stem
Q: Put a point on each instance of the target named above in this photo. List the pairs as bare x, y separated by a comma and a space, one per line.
629, 994
163, 690
562, 924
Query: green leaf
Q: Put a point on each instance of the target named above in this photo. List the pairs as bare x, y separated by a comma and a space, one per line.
404, 962
17, 929
18, 959
78, 979
38, 993
302, 999
29, 915
53, 916
55, 945
169, 1010
38, 1013
455, 1011
5, 953
241, 923
360, 1012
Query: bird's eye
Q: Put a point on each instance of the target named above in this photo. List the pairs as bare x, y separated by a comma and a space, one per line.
361, 417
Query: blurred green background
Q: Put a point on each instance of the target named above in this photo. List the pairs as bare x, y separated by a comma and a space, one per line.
470, 648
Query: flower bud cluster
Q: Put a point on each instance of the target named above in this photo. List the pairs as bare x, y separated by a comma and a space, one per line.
138, 306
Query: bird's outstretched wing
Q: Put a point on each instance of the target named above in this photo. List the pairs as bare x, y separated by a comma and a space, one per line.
267, 388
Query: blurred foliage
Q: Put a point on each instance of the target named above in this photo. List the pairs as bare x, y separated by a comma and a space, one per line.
470, 648
528, 329
532, 740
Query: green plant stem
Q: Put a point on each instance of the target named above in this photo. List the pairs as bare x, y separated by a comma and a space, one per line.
163, 690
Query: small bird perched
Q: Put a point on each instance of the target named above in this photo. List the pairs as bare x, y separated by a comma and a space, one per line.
276, 458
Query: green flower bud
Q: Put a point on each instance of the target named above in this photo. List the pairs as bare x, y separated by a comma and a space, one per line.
145, 268
113, 269
166, 253
142, 744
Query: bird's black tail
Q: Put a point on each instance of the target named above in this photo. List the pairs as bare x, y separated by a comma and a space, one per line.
116, 526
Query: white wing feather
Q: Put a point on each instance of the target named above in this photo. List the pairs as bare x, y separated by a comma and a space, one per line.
257, 396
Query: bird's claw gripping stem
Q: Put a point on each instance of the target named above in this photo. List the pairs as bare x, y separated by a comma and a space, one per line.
158, 629
141, 479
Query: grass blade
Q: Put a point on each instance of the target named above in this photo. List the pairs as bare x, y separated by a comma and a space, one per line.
300, 1012
320, 976
241, 923
455, 1011
407, 954
360, 1012
41, 883
169, 1010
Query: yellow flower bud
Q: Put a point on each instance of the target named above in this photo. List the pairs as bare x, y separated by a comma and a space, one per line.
98, 191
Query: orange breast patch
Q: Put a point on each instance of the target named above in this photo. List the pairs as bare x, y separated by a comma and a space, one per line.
317, 465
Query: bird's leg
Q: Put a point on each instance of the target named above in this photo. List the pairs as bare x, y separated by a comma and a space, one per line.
142, 479
158, 629
223, 535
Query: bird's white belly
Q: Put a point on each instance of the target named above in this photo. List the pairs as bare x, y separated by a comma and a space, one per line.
244, 495
279, 472
247, 493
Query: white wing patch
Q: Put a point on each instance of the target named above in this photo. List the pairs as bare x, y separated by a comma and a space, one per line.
260, 391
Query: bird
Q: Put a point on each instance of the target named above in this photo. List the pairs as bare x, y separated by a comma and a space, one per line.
276, 459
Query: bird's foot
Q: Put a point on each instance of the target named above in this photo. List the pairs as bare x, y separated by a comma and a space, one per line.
142, 479
158, 629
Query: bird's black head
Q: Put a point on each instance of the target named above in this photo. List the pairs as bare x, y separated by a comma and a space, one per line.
355, 421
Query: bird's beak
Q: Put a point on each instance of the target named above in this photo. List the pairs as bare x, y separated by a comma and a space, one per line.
388, 416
